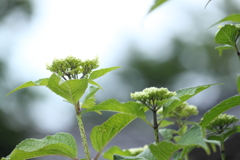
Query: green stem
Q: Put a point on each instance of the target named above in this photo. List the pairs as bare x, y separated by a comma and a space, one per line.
82, 132
155, 126
222, 150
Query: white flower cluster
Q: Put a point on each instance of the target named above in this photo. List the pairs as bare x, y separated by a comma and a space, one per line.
152, 93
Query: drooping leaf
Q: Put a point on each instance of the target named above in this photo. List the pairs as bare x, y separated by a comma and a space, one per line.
232, 18
164, 150
89, 100
99, 73
156, 4
218, 109
119, 157
226, 35
62, 144
193, 137
145, 155
40, 82
101, 135
131, 108
183, 95
213, 144
115, 150
224, 47
71, 90
95, 83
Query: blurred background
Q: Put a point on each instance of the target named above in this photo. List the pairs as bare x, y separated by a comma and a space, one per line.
170, 47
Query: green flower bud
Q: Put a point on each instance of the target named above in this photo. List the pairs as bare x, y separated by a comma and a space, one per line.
222, 122
71, 67
183, 111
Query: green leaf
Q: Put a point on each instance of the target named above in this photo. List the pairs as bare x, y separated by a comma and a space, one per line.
62, 144
71, 90
164, 150
115, 150
94, 83
99, 73
131, 108
166, 133
227, 35
193, 137
183, 95
156, 4
238, 83
40, 82
89, 100
224, 47
145, 155
218, 109
166, 123
232, 17
101, 135
119, 157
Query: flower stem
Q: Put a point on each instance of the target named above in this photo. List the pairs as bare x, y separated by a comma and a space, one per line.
82, 132
155, 126
222, 150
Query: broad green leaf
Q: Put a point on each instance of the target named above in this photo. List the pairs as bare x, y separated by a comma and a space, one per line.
62, 144
156, 4
71, 90
193, 137
232, 17
224, 47
40, 82
166, 133
164, 150
166, 123
177, 156
115, 150
183, 95
101, 135
227, 35
145, 155
238, 83
131, 108
218, 109
99, 73
89, 100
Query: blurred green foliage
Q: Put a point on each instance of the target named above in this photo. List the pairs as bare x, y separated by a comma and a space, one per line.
14, 120
9, 6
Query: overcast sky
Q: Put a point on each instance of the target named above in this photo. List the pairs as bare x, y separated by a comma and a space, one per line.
88, 28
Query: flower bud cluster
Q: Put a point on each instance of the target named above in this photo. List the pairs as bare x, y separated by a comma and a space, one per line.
71, 67
222, 122
150, 96
183, 111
